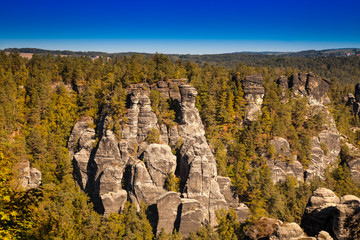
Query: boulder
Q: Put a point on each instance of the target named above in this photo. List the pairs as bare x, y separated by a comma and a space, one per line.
319, 211
344, 215
323, 235
288, 231
281, 169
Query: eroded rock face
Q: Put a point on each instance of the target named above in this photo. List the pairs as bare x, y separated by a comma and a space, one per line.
253, 94
325, 147
159, 161
319, 212
353, 162
168, 207
29, 177
284, 163
113, 170
328, 217
325, 150
311, 86
288, 231
344, 215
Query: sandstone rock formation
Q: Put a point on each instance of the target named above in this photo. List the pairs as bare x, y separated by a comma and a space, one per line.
29, 177
113, 170
353, 162
344, 216
319, 211
253, 94
325, 147
328, 217
288, 231
284, 163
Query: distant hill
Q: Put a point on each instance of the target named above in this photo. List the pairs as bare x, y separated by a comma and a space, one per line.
342, 64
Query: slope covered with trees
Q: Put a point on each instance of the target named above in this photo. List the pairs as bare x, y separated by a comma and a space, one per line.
42, 98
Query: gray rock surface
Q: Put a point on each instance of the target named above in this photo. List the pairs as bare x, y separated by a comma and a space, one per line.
284, 163
159, 161
253, 94
167, 206
319, 211
311, 86
113, 171
353, 162
325, 150
343, 215
191, 216
29, 177
323, 235
288, 231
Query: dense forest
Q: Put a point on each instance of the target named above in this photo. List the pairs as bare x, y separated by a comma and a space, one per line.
41, 99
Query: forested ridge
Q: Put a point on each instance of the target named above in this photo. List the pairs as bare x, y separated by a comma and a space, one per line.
42, 98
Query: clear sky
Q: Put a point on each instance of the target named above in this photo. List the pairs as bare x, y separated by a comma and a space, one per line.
180, 26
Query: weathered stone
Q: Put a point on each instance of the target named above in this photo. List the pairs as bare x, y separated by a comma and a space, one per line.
343, 215
324, 153
316, 89
142, 185
284, 163
319, 211
353, 162
283, 82
107, 166
262, 228
323, 235
29, 177
191, 216
288, 231
243, 213
253, 94
311, 86
228, 191
281, 169
167, 206
159, 161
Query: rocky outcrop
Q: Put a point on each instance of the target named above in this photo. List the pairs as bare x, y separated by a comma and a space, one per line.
344, 217
288, 231
168, 207
113, 170
29, 177
329, 217
80, 145
228, 191
325, 147
319, 211
311, 86
253, 94
284, 163
353, 162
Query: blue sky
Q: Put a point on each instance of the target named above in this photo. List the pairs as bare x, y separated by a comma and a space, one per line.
180, 26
